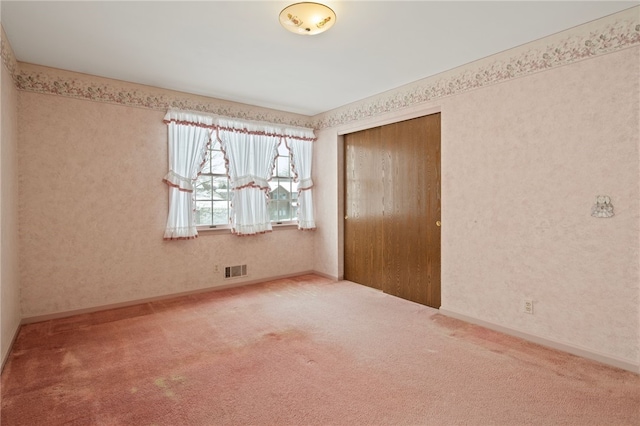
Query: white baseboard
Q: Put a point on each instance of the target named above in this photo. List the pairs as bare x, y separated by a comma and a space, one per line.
331, 277
5, 356
575, 350
232, 284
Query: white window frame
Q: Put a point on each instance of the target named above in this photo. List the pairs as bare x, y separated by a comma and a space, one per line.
285, 153
226, 228
209, 173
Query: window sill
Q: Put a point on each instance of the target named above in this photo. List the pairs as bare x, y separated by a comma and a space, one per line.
227, 229
213, 231
284, 225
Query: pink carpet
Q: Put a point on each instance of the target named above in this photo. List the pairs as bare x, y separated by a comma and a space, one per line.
302, 351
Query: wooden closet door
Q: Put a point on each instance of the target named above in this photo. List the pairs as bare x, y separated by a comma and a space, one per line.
392, 205
363, 231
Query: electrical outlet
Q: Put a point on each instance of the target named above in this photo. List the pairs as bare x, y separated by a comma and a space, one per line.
216, 268
527, 306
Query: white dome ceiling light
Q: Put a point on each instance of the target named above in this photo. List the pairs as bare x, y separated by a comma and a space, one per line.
307, 18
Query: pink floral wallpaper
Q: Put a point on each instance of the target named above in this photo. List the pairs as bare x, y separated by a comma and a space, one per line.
522, 162
10, 309
93, 209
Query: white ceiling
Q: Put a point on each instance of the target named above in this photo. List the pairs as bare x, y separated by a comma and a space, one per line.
237, 50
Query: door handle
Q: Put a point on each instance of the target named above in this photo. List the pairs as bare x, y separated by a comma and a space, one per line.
346, 217
438, 223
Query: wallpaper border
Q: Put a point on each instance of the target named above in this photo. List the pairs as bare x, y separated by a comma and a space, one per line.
8, 57
606, 35
51, 81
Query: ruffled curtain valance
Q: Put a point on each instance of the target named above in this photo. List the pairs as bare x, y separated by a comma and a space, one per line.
237, 125
250, 150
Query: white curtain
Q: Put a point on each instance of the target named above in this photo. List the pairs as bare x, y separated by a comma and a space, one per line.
250, 149
301, 159
250, 158
188, 140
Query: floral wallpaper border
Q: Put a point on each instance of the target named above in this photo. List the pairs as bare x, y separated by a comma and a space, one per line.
34, 78
600, 37
623, 32
8, 57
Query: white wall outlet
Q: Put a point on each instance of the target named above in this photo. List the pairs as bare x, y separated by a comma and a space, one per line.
527, 306
216, 268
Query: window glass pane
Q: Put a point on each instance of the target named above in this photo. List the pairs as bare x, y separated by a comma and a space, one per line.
273, 184
221, 188
273, 211
213, 195
282, 210
286, 184
203, 213
285, 210
203, 188
283, 193
220, 213
283, 167
218, 166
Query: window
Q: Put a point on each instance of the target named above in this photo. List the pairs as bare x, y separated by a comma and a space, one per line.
283, 196
260, 168
213, 195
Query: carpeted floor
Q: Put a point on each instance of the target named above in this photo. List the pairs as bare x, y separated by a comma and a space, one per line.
299, 351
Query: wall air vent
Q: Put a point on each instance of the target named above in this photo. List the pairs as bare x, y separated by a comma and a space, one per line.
235, 271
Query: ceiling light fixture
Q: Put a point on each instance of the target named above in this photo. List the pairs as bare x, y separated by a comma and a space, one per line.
307, 18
